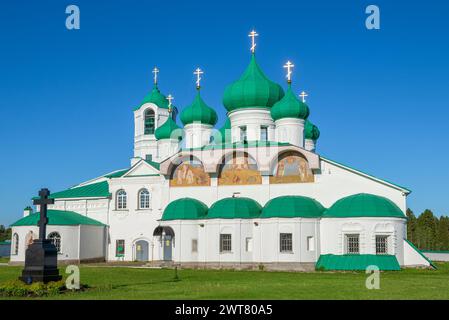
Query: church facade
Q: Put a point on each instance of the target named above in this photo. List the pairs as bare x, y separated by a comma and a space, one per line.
255, 193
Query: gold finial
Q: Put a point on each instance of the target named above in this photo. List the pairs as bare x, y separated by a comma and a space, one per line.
289, 66
170, 98
198, 72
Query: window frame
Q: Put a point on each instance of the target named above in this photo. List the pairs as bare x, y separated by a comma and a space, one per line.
56, 239
310, 243
285, 242
225, 243
121, 200
264, 129
194, 245
243, 133
149, 122
385, 244
117, 242
140, 199
350, 245
15, 244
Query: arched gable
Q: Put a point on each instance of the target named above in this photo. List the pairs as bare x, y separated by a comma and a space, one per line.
188, 171
238, 168
290, 166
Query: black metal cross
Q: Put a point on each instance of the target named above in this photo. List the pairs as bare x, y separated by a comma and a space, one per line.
43, 202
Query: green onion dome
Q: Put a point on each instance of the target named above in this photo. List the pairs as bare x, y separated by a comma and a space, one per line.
289, 107
185, 209
252, 90
168, 130
199, 111
292, 207
156, 97
311, 131
364, 205
234, 208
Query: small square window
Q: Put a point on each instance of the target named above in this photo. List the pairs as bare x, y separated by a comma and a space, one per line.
243, 136
286, 242
264, 133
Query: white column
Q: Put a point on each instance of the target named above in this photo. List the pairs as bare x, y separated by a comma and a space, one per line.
310, 145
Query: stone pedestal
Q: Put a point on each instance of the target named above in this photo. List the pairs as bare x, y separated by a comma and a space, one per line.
41, 263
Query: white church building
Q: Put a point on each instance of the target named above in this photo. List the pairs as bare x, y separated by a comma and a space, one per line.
253, 194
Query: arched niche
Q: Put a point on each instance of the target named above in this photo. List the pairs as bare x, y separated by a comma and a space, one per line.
291, 167
188, 171
239, 168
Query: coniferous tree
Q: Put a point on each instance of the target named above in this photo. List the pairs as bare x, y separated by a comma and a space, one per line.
442, 237
426, 231
411, 226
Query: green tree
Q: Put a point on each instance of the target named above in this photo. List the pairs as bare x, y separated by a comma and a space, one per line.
5, 233
426, 231
411, 226
442, 236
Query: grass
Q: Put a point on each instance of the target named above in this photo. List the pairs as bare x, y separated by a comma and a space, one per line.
4, 259
136, 283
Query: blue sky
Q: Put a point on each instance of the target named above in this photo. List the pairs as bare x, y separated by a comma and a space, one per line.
380, 98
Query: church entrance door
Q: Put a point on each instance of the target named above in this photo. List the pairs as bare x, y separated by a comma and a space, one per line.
142, 250
168, 247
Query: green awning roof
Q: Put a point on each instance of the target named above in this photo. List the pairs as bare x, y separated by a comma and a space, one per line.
353, 262
292, 207
58, 218
94, 190
234, 208
185, 209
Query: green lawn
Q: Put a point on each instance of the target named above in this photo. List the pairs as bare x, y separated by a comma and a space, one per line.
4, 260
131, 283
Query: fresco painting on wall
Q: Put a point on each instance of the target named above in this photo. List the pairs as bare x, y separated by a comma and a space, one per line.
239, 169
189, 173
292, 168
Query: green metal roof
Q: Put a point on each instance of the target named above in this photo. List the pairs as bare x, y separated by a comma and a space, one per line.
156, 97
311, 131
237, 145
116, 174
364, 205
234, 208
289, 107
366, 174
420, 253
168, 130
353, 262
58, 218
199, 111
185, 209
292, 207
94, 190
252, 90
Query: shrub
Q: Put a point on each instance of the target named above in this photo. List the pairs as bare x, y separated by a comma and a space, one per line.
17, 288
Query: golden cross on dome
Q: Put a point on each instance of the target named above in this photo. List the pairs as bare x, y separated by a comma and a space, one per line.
289, 66
155, 72
303, 96
253, 34
198, 72
170, 98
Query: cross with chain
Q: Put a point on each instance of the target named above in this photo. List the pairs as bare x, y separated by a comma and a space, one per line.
155, 72
303, 96
198, 72
253, 34
289, 66
43, 202
170, 98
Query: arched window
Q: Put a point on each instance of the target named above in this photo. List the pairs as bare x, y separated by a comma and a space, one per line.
15, 244
149, 121
121, 200
55, 238
144, 199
